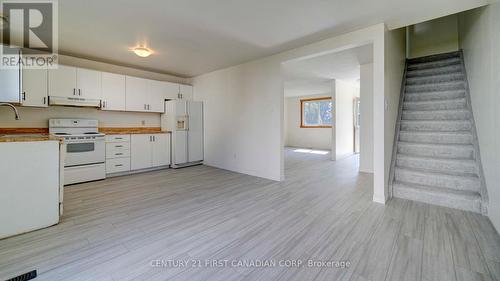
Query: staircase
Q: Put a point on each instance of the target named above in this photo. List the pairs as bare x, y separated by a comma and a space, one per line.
436, 157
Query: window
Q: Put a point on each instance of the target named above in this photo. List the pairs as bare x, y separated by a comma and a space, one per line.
316, 113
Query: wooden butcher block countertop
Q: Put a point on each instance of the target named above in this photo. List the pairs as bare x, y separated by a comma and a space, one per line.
132, 131
26, 135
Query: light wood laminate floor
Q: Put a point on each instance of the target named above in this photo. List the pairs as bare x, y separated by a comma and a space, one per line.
114, 229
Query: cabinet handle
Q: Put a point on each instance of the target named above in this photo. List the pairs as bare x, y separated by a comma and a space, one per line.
118, 165
74, 92
144, 106
154, 138
79, 92
103, 104
118, 153
118, 145
44, 100
118, 138
24, 95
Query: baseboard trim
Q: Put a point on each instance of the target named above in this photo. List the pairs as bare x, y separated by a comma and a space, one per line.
127, 173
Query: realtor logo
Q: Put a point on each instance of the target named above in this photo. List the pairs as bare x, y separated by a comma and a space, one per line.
29, 26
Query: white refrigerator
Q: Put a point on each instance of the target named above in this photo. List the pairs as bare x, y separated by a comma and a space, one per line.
185, 120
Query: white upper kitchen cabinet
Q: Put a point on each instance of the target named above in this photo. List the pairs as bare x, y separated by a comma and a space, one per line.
34, 87
62, 81
113, 91
88, 83
186, 92
140, 151
171, 91
136, 94
160, 150
156, 94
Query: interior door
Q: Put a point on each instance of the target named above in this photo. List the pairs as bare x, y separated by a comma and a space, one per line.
357, 115
195, 132
89, 83
113, 91
140, 151
62, 81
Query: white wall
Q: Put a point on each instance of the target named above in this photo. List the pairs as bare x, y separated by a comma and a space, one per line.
434, 37
480, 40
366, 119
38, 117
343, 129
318, 138
395, 57
244, 113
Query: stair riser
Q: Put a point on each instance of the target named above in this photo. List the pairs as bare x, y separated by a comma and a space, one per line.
434, 96
423, 115
437, 165
435, 138
439, 200
444, 126
454, 69
439, 180
434, 79
440, 152
438, 105
434, 87
436, 64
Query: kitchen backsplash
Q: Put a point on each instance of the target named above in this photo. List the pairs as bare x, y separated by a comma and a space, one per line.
38, 117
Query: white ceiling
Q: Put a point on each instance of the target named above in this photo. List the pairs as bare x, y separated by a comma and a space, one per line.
191, 37
314, 75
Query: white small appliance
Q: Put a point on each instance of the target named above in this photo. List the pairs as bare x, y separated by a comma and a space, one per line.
85, 149
185, 120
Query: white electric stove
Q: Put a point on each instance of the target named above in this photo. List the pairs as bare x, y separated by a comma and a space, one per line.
85, 149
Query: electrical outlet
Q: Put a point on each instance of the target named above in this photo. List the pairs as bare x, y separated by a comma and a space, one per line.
143, 122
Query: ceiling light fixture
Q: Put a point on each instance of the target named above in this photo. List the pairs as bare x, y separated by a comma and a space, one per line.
142, 52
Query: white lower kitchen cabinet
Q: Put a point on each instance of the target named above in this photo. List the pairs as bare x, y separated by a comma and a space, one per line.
30, 190
160, 150
140, 152
117, 153
149, 151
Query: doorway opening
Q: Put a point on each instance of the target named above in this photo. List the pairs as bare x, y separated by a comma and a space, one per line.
328, 108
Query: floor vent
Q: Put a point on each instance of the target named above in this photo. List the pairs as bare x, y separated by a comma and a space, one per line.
24, 277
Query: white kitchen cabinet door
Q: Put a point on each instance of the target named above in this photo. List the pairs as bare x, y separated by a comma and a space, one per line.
62, 81
140, 151
157, 90
88, 83
113, 91
186, 92
34, 87
171, 91
161, 150
136, 94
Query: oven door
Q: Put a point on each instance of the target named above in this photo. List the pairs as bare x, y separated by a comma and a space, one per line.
84, 152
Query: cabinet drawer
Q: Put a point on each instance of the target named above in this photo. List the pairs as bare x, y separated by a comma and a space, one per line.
117, 165
117, 150
117, 138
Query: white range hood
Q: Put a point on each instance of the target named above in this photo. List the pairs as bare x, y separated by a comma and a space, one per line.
73, 101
